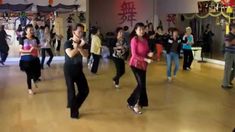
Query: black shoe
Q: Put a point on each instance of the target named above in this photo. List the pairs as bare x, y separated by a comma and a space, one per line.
2, 63
68, 106
227, 87
231, 84
49, 65
74, 114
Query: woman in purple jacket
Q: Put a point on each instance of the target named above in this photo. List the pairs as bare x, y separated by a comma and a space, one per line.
140, 57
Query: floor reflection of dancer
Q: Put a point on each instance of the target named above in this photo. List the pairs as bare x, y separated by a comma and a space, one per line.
74, 51
27, 51
140, 57
207, 39
46, 47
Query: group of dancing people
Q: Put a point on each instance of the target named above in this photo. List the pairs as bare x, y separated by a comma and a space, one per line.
139, 44
141, 56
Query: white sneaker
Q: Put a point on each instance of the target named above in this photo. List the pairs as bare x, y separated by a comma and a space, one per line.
169, 79
116, 86
136, 109
30, 91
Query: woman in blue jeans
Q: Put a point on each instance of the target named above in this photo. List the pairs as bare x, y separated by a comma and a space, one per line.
173, 47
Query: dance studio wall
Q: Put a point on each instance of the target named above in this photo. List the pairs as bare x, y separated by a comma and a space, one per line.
104, 13
165, 7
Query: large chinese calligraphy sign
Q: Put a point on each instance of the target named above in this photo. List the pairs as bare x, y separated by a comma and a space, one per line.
128, 12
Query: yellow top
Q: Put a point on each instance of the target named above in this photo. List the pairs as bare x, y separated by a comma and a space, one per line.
95, 45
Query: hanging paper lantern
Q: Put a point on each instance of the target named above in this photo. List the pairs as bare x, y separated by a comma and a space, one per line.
50, 2
228, 2
229, 9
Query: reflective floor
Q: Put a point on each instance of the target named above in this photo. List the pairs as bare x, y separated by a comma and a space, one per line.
193, 102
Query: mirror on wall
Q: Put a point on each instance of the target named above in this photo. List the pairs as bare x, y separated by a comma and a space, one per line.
62, 21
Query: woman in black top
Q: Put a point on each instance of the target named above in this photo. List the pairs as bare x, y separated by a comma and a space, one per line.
173, 48
151, 37
159, 41
74, 51
207, 39
120, 50
4, 48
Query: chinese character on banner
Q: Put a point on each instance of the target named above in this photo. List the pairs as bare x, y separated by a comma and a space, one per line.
128, 12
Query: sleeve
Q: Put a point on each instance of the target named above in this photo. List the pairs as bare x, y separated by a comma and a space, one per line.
184, 39
192, 39
37, 40
134, 49
86, 46
126, 45
98, 42
68, 45
21, 41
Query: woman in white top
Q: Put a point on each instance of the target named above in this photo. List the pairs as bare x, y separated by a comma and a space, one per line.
45, 40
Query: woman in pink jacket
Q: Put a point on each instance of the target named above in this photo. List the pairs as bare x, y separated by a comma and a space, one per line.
140, 57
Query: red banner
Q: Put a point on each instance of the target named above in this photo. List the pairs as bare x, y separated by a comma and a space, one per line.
1, 2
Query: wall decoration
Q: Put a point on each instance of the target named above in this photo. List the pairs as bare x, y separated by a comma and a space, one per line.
127, 12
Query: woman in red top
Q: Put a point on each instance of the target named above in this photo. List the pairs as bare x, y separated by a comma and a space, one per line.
140, 57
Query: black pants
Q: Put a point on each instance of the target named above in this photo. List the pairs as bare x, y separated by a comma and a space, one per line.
3, 56
188, 58
74, 74
95, 64
29, 68
139, 95
53, 42
36, 67
49, 52
120, 69
58, 45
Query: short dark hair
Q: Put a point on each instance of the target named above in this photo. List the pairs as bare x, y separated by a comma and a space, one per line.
78, 25
175, 30
118, 29
160, 27
28, 26
94, 30
125, 28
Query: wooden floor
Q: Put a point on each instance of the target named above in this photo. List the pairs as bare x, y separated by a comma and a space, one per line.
193, 102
